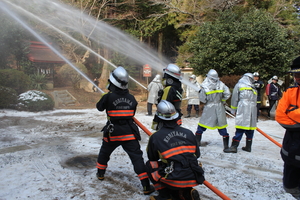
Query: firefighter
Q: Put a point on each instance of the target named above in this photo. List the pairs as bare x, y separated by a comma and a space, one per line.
214, 94
288, 116
274, 94
120, 129
172, 92
193, 97
173, 151
243, 103
153, 88
258, 84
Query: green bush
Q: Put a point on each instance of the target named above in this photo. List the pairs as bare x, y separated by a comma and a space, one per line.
8, 97
38, 81
34, 101
14, 79
70, 74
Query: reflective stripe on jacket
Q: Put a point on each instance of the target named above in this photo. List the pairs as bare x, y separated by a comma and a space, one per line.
120, 108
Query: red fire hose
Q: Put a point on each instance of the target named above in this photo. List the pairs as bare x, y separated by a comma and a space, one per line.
267, 136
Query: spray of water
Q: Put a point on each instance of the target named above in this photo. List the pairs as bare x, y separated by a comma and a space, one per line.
63, 18
72, 20
15, 17
69, 37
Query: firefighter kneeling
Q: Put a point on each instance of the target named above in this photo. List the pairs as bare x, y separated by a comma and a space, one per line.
173, 150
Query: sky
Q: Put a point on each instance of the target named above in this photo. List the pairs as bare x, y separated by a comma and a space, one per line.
52, 154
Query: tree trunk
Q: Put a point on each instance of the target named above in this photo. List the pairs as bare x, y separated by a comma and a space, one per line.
105, 72
160, 45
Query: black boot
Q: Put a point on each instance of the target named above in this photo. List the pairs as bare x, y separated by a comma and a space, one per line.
197, 113
188, 114
149, 109
225, 143
233, 148
248, 145
198, 138
147, 188
100, 174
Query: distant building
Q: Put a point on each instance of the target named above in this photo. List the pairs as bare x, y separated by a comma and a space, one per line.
44, 60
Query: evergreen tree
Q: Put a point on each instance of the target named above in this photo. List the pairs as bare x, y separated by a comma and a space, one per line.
237, 44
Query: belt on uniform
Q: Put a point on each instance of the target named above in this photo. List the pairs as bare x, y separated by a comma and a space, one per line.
287, 154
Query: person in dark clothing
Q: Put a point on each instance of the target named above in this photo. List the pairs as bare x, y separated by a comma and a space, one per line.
172, 92
172, 151
288, 116
258, 84
274, 93
120, 129
96, 82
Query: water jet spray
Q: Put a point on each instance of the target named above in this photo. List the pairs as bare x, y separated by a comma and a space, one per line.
5, 9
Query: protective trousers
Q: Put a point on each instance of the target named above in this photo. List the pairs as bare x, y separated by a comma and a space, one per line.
239, 134
132, 148
222, 131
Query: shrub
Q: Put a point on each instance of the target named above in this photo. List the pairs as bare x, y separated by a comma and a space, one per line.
38, 81
70, 74
34, 100
231, 80
14, 79
8, 97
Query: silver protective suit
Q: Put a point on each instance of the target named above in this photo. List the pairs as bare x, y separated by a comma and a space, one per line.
243, 102
153, 89
192, 94
214, 93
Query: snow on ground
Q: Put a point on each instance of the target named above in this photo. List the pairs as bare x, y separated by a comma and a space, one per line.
52, 155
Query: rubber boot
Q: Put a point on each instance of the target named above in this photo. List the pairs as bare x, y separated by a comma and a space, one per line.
100, 174
197, 113
233, 148
189, 194
147, 188
188, 114
163, 194
248, 145
149, 109
198, 138
225, 143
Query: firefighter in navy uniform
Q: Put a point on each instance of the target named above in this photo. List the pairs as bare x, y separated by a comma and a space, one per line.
172, 151
258, 84
288, 116
172, 92
120, 129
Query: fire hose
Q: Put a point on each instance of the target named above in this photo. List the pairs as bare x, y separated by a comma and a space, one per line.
206, 183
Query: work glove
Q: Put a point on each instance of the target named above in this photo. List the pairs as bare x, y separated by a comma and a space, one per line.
154, 125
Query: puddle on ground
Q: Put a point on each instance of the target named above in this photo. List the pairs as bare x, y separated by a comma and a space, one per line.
83, 161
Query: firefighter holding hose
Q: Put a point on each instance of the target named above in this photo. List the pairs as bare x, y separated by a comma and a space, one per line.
173, 151
120, 129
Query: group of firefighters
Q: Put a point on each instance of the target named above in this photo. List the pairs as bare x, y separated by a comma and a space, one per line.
172, 150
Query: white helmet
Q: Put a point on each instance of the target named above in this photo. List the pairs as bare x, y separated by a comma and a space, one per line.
213, 74
173, 70
119, 77
193, 77
157, 78
275, 78
250, 76
256, 74
166, 110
